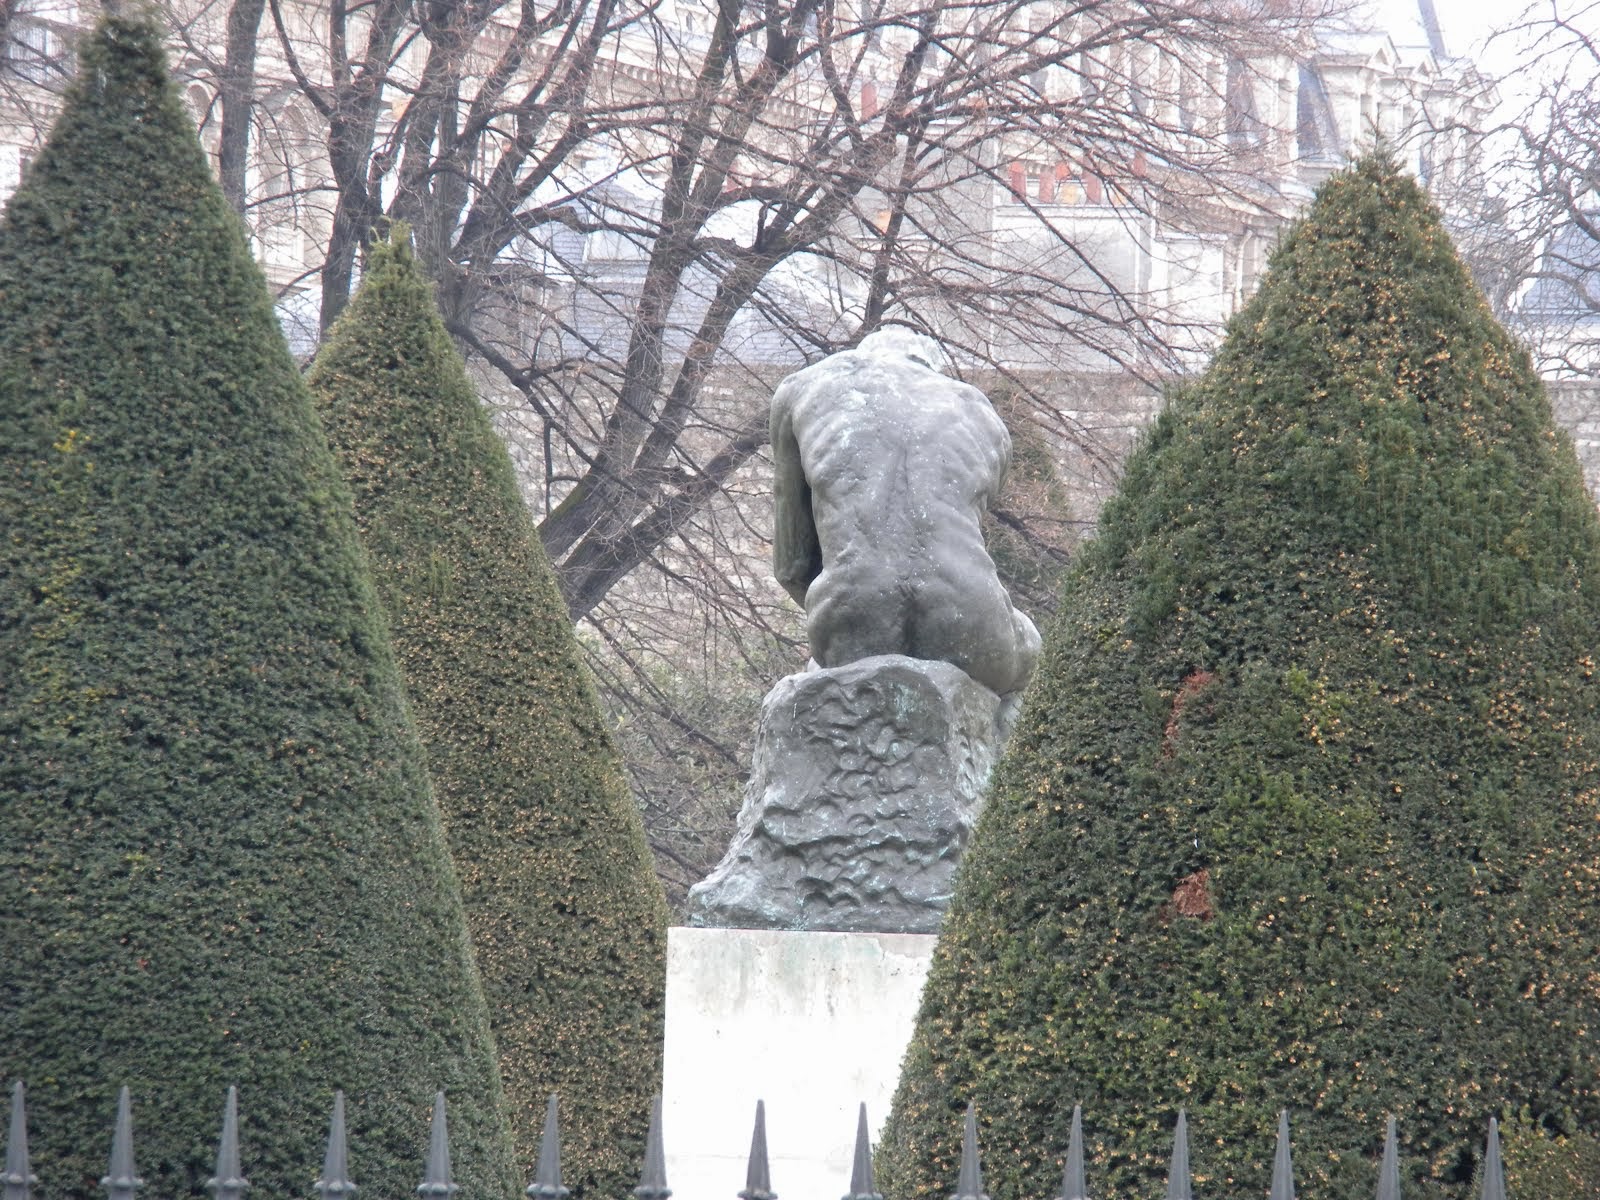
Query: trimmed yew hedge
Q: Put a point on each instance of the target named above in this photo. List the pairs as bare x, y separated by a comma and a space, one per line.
566, 913
220, 862
1302, 810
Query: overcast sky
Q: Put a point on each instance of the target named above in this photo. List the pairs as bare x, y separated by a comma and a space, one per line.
1470, 25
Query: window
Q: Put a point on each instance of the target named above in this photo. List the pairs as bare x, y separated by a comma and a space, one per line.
1245, 127
1089, 78
33, 51
1138, 98
1188, 99
1075, 184
1019, 181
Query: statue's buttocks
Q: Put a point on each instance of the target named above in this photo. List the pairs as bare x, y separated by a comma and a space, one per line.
884, 468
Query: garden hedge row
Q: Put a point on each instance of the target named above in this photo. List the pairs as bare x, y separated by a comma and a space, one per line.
1302, 809
220, 861
564, 907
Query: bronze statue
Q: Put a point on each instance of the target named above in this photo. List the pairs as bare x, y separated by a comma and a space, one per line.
884, 467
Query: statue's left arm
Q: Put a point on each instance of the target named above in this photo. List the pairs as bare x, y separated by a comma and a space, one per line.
999, 445
796, 552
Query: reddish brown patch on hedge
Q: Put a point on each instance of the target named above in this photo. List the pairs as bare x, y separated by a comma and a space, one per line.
1191, 898
1193, 684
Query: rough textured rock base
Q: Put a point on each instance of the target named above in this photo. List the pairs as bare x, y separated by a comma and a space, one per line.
866, 783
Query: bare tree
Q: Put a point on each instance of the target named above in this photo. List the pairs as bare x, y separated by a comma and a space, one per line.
641, 213
791, 171
1553, 186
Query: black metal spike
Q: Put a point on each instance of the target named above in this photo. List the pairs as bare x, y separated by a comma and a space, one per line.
120, 1181
1282, 1167
546, 1183
653, 1180
18, 1180
1389, 1172
437, 1183
969, 1185
1073, 1186
228, 1183
335, 1182
758, 1175
861, 1186
1179, 1186
1494, 1173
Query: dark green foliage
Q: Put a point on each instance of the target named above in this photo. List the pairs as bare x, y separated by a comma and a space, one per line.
1302, 811
566, 914
1545, 1166
219, 858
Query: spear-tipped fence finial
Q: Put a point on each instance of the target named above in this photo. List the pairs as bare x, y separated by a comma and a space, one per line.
1494, 1172
1179, 1186
120, 1181
1389, 1172
758, 1175
335, 1182
861, 1186
228, 1183
653, 1180
436, 1183
969, 1185
546, 1183
18, 1180
1073, 1186
1282, 1167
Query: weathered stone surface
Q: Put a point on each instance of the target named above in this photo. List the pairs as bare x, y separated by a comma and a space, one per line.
866, 783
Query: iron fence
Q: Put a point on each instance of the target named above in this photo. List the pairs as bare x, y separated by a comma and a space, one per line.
228, 1183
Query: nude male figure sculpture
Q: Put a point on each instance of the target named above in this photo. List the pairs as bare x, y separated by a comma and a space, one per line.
884, 467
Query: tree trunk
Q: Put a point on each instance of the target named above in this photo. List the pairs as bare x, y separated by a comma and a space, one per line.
237, 84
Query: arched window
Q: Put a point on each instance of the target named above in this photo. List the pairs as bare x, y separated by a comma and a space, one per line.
202, 105
1244, 124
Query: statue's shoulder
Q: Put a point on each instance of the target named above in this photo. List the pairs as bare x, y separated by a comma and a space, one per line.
819, 377
978, 397
982, 418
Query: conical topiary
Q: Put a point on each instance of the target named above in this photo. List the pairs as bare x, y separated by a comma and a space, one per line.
220, 862
564, 907
1302, 810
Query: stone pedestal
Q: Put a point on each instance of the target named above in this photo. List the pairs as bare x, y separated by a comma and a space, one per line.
813, 1023
866, 783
